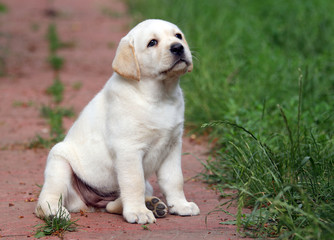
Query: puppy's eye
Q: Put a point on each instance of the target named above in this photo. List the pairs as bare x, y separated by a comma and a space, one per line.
152, 43
179, 36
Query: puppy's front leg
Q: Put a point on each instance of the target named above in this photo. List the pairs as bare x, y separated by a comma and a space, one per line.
131, 181
171, 183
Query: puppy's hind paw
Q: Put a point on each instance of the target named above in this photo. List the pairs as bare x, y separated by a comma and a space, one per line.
158, 207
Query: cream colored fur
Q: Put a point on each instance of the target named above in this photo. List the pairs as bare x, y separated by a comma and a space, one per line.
130, 130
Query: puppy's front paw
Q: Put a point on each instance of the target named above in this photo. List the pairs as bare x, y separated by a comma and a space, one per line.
158, 207
49, 211
141, 216
184, 208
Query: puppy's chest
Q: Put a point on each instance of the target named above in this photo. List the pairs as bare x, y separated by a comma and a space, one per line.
164, 117
159, 145
163, 131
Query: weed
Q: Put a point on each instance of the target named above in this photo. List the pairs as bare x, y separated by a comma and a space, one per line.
40, 142
56, 225
48, 112
288, 193
77, 85
146, 227
2, 66
56, 90
53, 39
55, 117
286, 180
56, 62
3, 46
3, 8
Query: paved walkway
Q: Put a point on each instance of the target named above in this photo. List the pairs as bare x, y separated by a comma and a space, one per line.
93, 28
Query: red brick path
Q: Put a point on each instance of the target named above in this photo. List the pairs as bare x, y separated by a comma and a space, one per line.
94, 29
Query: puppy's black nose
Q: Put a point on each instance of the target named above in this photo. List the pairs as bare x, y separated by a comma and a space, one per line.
177, 49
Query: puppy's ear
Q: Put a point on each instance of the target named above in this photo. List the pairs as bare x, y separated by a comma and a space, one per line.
125, 61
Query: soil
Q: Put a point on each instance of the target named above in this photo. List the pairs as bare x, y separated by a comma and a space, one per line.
92, 30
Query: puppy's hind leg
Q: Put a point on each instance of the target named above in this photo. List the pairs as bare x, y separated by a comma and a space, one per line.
154, 204
115, 206
57, 182
148, 189
157, 206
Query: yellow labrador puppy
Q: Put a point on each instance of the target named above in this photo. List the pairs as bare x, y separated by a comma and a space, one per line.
130, 130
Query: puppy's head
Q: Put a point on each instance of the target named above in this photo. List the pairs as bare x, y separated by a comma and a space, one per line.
154, 49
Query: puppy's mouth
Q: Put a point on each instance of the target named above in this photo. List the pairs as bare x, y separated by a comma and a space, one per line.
177, 62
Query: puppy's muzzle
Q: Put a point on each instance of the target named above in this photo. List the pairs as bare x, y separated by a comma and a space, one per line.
177, 50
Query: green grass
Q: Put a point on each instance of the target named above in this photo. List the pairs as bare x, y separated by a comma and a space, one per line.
247, 55
3, 8
56, 62
77, 86
54, 116
3, 45
53, 38
286, 179
264, 78
56, 225
56, 90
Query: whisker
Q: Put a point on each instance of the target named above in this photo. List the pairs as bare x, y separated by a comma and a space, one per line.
193, 54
